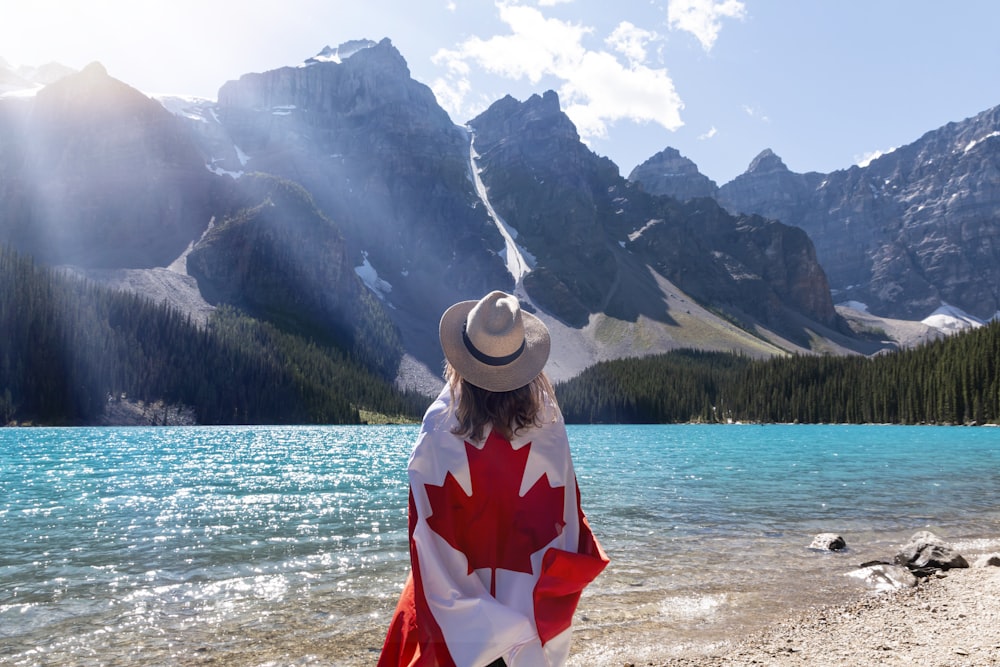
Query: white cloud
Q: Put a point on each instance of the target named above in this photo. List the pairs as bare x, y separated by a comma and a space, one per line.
755, 112
630, 41
595, 87
451, 93
599, 90
537, 46
702, 18
711, 133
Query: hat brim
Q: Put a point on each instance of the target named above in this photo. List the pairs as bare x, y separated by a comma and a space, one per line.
508, 377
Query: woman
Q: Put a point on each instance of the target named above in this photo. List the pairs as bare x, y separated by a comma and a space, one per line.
499, 547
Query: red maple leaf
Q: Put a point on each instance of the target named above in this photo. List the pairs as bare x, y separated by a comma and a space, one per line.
496, 527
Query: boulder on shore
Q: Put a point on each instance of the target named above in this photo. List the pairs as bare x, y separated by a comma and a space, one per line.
926, 550
988, 560
828, 542
884, 577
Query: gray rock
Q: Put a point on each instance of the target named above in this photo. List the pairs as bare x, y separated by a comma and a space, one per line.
927, 550
828, 542
988, 560
670, 173
883, 577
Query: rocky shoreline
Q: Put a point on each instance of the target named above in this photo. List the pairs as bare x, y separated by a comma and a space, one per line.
951, 619
126, 412
945, 612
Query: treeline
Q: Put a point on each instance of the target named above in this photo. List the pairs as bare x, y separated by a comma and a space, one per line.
70, 346
955, 380
279, 259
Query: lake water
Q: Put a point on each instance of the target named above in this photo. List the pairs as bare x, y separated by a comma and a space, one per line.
287, 545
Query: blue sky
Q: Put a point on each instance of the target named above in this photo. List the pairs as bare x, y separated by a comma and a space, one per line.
825, 84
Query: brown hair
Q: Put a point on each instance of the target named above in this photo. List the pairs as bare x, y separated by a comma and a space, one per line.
509, 412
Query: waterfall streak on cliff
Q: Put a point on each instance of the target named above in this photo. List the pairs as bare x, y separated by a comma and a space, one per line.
517, 260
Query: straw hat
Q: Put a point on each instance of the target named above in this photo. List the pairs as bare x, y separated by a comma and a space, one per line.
493, 344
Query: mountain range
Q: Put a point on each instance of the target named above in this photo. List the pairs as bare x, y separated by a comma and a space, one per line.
911, 231
336, 198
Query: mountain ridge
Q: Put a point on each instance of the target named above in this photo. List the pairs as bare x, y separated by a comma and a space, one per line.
904, 234
613, 266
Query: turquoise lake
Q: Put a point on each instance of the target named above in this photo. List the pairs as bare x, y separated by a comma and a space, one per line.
287, 545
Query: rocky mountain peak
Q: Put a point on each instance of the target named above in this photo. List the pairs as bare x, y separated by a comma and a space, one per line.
537, 119
386, 165
94, 70
911, 230
26, 77
768, 188
594, 236
92, 96
355, 77
47, 73
381, 58
546, 184
106, 177
340, 53
540, 136
670, 173
9, 79
91, 109
547, 104
766, 162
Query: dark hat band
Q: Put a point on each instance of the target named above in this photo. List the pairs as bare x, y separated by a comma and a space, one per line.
480, 356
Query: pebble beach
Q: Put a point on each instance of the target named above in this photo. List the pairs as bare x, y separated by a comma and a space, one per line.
950, 619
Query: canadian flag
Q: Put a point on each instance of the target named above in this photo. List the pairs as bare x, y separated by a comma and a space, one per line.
500, 549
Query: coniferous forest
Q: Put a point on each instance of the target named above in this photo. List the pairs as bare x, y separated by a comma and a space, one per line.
950, 381
71, 346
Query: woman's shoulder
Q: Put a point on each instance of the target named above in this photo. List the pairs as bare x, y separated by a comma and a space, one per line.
439, 417
441, 406
436, 442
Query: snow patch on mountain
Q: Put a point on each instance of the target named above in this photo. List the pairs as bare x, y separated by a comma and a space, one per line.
855, 305
950, 319
197, 109
633, 236
204, 112
947, 318
215, 169
868, 158
972, 144
369, 276
338, 55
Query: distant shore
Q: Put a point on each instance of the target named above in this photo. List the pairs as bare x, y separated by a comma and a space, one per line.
127, 412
